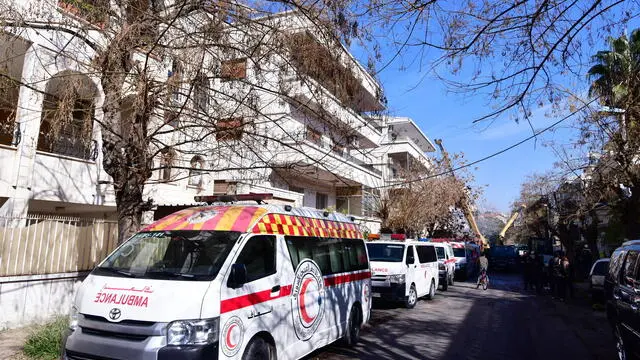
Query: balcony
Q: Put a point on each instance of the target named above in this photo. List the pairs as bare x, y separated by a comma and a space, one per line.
405, 145
311, 153
318, 99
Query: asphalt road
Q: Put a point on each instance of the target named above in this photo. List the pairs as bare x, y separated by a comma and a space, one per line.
465, 323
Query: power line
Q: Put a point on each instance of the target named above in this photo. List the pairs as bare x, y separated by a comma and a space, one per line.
500, 152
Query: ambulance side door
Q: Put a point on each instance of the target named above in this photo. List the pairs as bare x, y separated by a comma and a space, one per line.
411, 261
259, 301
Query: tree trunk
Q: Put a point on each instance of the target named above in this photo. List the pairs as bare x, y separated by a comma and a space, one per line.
129, 206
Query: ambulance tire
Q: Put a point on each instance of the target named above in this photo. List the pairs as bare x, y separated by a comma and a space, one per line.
411, 299
432, 290
259, 349
352, 335
451, 279
445, 285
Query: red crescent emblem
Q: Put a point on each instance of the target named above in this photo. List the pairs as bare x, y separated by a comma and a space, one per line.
303, 310
230, 345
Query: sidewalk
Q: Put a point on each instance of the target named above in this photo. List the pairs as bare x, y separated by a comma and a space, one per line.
11, 342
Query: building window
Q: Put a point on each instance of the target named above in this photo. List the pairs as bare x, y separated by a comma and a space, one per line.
321, 200
93, 11
230, 129
233, 69
195, 172
314, 136
167, 157
67, 116
175, 81
342, 204
338, 149
201, 93
171, 117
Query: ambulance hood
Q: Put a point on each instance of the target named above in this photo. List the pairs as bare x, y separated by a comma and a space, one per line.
118, 298
387, 268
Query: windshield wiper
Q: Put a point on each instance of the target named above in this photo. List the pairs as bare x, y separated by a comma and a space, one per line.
116, 271
170, 274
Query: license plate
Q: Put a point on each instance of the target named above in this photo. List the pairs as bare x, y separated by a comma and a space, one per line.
377, 295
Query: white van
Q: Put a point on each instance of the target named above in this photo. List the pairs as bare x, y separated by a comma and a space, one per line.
446, 264
403, 270
235, 281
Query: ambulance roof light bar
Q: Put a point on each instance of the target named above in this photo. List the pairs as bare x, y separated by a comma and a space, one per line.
257, 197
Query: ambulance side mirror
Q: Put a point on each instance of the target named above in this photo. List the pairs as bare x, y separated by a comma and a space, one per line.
238, 276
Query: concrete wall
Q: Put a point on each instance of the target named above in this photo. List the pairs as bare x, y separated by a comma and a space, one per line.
26, 300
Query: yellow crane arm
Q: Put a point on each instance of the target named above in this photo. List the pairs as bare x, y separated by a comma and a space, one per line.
511, 220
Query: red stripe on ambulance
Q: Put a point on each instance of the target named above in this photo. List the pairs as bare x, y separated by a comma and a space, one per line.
346, 278
252, 299
259, 297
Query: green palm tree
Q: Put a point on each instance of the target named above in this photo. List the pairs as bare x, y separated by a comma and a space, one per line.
616, 71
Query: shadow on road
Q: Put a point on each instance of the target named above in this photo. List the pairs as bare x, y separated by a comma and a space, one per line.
468, 323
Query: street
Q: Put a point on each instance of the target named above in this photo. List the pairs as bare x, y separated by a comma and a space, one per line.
465, 323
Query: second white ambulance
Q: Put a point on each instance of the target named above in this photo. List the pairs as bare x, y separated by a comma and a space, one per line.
403, 270
232, 282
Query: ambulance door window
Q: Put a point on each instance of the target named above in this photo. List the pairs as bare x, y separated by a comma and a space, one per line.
259, 257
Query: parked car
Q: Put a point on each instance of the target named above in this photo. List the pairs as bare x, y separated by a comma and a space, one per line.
403, 271
466, 255
503, 257
622, 294
596, 278
446, 264
214, 282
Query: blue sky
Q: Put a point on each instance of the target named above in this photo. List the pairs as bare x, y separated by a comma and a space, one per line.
449, 116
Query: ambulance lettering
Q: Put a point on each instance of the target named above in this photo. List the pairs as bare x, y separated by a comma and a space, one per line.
307, 299
108, 295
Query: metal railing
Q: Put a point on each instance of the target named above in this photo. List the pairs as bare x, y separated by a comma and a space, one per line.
45, 244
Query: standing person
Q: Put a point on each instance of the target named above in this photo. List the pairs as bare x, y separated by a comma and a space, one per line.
551, 276
567, 270
484, 265
527, 272
538, 273
560, 275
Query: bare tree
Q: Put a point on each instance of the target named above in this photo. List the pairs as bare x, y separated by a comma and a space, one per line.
426, 201
185, 87
520, 55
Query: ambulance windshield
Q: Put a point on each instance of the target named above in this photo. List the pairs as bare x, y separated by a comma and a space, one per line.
179, 255
385, 252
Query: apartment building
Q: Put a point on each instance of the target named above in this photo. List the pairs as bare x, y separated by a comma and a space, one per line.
323, 148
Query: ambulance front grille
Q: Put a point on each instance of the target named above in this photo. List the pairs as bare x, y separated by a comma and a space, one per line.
379, 278
114, 335
123, 322
72, 355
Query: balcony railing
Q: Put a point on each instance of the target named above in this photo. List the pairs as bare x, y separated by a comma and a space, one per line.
339, 151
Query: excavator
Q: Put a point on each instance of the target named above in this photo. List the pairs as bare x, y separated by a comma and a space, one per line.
510, 222
466, 206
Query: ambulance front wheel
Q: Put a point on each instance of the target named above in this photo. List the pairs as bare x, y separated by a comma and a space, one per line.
259, 349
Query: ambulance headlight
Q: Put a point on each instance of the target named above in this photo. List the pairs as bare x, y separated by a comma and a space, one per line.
396, 279
73, 318
193, 332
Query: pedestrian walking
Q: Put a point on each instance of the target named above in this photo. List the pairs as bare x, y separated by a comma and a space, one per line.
527, 273
567, 270
538, 273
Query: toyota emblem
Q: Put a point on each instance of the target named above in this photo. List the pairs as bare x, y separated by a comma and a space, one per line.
114, 314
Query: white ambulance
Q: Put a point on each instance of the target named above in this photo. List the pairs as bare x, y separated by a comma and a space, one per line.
232, 282
403, 270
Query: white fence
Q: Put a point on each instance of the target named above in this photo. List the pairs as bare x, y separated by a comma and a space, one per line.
44, 244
